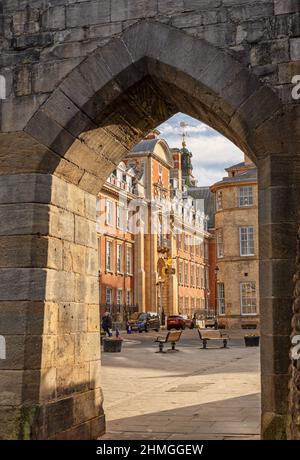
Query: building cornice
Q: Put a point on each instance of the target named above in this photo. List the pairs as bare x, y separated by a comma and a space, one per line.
228, 184
116, 191
116, 237
236, 209
237, 259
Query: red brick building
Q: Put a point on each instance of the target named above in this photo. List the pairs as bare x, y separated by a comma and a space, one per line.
116, 243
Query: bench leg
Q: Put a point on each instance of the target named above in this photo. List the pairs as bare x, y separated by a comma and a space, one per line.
225, 343
173, 346
160, 348
204, 343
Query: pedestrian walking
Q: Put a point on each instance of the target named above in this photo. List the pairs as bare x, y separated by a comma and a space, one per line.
107, 323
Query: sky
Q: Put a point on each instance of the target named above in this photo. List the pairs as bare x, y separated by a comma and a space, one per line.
212, 152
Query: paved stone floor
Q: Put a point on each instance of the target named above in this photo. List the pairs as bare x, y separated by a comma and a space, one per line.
193, 394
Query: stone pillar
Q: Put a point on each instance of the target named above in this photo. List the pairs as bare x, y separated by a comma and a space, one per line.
151, 276
139, 278
147, 246
153, 272
173, 279
49, 310
278, 228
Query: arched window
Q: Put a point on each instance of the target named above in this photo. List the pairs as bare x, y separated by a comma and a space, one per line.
2, 87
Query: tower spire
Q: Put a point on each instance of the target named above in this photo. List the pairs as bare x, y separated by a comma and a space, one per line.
186, 164
183, 127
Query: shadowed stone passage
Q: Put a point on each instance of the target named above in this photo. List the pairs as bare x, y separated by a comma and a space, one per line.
84, 83
295, 369
49, 310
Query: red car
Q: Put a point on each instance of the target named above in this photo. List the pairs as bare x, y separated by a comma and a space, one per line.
175, 322
179, 322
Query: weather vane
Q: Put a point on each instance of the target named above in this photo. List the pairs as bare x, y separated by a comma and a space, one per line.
183, 127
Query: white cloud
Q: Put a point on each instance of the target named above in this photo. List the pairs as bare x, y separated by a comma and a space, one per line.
212, 152
169, 129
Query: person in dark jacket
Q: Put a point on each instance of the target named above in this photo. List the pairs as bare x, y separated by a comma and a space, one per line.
107, 323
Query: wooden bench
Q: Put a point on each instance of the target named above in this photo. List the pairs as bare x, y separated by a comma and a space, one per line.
172, 337
216, 334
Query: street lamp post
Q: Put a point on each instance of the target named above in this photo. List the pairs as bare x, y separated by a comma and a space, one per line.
160, 307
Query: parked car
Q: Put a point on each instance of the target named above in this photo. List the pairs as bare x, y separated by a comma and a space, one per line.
144, 322
211, 321
175, 322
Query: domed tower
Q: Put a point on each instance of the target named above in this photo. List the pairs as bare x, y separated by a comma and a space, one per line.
186, 161
187, 167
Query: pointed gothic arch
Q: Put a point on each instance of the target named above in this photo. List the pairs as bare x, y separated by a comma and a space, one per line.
56, 166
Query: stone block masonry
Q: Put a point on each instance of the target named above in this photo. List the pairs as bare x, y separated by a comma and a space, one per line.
53, 338
42, 41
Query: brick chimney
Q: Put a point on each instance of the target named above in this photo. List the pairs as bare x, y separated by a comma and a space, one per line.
153, 134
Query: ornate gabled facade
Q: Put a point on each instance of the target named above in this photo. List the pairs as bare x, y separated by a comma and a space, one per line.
166, 230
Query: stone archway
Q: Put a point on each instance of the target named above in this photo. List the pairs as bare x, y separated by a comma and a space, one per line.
53, 169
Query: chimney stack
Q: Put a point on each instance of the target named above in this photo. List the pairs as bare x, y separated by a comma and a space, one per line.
153, 134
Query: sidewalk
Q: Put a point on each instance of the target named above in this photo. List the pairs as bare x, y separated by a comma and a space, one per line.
192, 394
